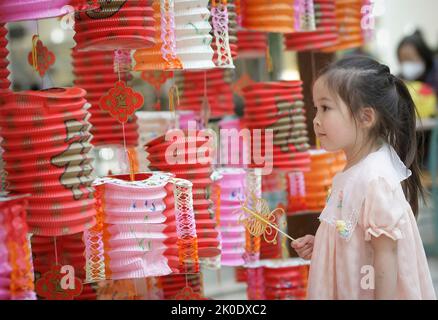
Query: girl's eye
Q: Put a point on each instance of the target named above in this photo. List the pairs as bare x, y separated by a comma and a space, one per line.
325, 108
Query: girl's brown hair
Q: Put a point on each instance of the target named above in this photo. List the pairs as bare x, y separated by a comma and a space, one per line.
364, 82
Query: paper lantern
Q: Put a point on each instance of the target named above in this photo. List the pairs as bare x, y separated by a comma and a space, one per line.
325, 35
173, 284
251, 44
145, 228
268, 15
232, 27
193, 39
16, 276
229, 155
197, 154
47, 143
63, 251
286, 279
116, 24
151, 124
162, 55
278, 106
255, 281
4, 72
348, 21
254, 190
80, 5
19, 10
218, 90
232, 195
94, 72
308, 191
221, 39
240, 274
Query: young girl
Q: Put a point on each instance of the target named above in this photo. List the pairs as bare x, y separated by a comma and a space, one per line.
367, 245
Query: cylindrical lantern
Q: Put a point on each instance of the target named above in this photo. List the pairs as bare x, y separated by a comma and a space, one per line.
116, 24
255, 281
94, 72
151, 124
162, 55
308, 191
145, 228
217, 89
46, 150
230, 156
286, 279
251, 44
16, 272
268, 15
232, 27
325, 35
4, 72
19, 10
278, 106
190, 156
232, 196
193, 39
173, 284
348, 20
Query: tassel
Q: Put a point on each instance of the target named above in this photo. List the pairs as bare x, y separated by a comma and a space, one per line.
35, 39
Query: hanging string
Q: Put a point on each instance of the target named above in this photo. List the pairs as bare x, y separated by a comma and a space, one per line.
56, 251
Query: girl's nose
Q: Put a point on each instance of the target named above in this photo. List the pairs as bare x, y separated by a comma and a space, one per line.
316, 121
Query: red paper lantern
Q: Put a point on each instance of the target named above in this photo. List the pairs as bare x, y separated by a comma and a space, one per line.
46, 150
251, 44
349, 22
285, 279
278, 106
4, 72
116, 24
94, 72
325, 35
172, 286
199, 174
64, 250
218, 90
80, 5
232, 27
16, 276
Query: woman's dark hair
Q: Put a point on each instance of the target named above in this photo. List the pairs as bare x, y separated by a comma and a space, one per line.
363, 82
426, 54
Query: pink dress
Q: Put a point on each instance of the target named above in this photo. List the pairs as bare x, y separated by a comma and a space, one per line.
367, 201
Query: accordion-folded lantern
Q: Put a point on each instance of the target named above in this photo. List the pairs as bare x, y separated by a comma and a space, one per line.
145, 228
116, 24
278, 106
193, 39
199, 173
268, 15
46, 150
325, 35
94, 72
19, 10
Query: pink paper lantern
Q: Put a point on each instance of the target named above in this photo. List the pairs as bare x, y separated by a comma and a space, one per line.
19, 10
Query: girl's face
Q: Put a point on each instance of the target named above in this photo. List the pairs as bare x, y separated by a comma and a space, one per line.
333, 124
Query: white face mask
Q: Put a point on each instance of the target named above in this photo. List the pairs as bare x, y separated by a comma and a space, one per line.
412, 70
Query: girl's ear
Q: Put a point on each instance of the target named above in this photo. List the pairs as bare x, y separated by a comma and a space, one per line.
367, 117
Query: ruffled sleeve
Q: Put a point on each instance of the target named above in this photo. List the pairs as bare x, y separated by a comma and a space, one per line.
384, 209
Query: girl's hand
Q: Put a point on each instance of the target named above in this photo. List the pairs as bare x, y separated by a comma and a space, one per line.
304, 246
